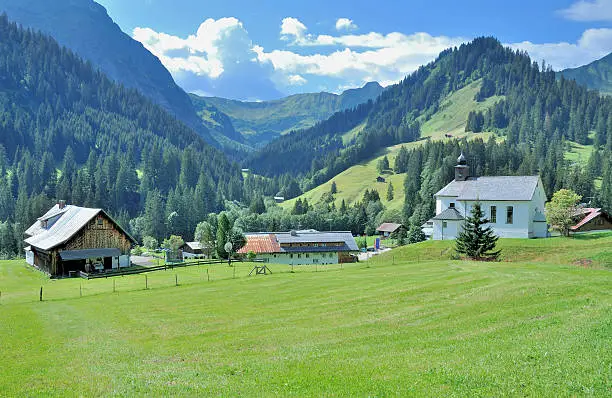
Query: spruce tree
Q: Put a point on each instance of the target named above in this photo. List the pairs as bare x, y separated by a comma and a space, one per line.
476, 241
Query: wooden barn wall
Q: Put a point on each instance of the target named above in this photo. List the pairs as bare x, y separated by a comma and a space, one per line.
95, 236
597, 224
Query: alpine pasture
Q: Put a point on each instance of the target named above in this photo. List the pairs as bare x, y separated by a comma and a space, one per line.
411, 322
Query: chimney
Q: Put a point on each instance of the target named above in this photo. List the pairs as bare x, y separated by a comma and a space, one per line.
61, 204
462, 170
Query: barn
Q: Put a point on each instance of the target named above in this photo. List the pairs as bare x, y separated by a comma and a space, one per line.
69, 239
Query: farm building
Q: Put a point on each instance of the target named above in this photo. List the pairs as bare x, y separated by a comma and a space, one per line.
591, 219
301, 247
380, 179
71, 238
194, 249
513, 204
388, 228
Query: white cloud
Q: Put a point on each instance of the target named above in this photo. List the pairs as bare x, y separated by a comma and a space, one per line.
589, 10
345, 24
293, 29
592, 45
297, 80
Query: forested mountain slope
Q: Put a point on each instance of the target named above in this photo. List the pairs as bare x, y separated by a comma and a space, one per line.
69, 132
596, 75
260, 122
85, 27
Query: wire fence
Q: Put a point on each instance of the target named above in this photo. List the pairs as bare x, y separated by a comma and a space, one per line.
38, 288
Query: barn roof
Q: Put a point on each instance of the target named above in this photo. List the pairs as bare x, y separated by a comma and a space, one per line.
519, 188
260, 243
388, 227
62, 224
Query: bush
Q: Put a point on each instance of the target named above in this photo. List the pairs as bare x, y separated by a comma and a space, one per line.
137, 251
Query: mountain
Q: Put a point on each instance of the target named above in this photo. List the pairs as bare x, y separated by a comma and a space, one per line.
69, 132
531, 112
85, 27
596, 75
260, 122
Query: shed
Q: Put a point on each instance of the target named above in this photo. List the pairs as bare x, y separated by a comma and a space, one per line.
380, 179
591, 219
388, 228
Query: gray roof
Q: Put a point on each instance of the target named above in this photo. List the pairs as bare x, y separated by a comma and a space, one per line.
68, 255
318, 237
519, 188
62, 224
449, 214
194, 245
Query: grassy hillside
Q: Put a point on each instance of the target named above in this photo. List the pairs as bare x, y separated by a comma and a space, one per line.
450, 119
396, 326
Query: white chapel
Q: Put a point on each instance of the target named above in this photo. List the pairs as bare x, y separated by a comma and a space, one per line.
513, 204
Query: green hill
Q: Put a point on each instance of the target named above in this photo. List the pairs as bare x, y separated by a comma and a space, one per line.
411, 322
260, 122
596, 75
451, 119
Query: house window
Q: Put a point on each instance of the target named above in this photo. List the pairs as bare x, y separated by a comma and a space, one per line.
509, 215
452, 205
299, 256
444, 224
307, 255
493, 214
100, 221
291, 255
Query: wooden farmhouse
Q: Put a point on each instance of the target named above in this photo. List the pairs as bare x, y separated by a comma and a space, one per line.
388, 228
69, 239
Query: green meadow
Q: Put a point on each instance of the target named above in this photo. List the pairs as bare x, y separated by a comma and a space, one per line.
411, 322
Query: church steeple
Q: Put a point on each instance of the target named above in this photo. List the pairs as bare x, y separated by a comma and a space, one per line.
462, 170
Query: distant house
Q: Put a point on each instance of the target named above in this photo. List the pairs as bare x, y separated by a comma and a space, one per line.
591, 219
513, 204
245, 170
388, 228
279, 199
193, 249
380, 179
71, 238
301, 247
427, 228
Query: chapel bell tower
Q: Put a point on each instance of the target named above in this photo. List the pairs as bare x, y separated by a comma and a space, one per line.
462, 170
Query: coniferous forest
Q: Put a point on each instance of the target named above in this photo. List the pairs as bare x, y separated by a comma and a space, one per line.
68, 132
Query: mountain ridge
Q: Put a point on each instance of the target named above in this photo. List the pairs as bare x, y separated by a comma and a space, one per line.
260, 122
596, 75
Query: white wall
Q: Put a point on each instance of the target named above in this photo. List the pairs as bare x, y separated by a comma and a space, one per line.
300, 258
538, 229
124, 261
451, 230
29, 254
522, 226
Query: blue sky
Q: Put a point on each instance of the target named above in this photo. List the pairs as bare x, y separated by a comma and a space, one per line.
266, 49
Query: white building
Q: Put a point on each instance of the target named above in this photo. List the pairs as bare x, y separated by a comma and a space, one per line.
301, 247
513, 204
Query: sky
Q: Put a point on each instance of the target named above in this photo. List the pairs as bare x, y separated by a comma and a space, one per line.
266, 49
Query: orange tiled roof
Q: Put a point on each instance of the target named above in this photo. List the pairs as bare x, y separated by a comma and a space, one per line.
265, 243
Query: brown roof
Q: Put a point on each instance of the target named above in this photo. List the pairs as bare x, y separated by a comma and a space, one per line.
388, 227
264, 243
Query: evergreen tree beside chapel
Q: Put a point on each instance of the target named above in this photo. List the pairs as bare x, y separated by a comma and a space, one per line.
476, 241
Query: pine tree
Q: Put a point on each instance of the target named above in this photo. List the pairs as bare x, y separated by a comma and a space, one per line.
476, 241
390, 192
334, 188
416, 234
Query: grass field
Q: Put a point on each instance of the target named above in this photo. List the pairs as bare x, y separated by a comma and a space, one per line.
408, 323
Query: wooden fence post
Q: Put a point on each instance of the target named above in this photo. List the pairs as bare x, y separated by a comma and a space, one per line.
207, 275
80, 290
41, 294
234, 272
146, 282
113, 286
175, 279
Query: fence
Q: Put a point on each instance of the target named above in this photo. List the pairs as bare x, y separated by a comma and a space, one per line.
142, 270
